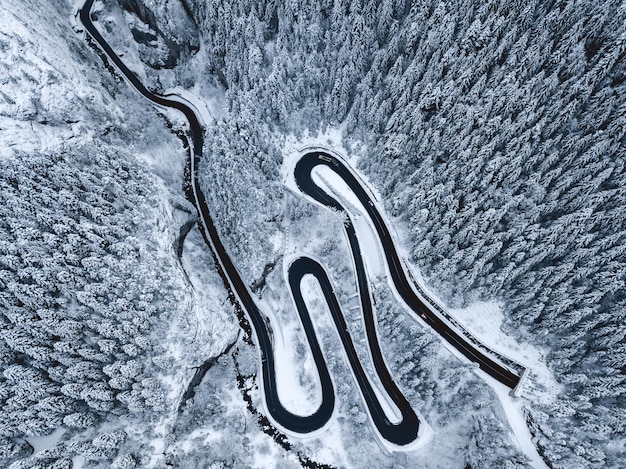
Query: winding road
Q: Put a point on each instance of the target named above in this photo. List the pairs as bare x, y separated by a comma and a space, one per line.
406, 430
235, 284
402, 285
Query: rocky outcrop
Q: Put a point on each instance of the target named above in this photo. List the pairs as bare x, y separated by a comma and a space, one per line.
164, 30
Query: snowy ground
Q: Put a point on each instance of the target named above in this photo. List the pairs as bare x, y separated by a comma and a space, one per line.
298, 383
40, 443
484, 320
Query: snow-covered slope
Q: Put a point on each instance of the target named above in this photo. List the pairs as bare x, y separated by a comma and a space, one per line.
493, 131
100, 327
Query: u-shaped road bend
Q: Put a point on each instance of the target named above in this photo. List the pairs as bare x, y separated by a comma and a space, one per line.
304, 181
402, 433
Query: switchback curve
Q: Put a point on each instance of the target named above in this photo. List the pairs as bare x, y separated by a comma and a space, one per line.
401, 434
302, 174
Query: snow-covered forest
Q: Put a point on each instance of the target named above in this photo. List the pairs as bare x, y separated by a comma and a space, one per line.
94, 304
494, 132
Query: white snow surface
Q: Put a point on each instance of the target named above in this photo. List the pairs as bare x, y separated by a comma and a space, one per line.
40, 443
485, 320
298, 396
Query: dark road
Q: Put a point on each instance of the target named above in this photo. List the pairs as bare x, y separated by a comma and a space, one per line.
400, 281
401, 433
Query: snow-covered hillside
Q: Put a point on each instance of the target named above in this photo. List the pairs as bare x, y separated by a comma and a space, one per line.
493, 133
100, 327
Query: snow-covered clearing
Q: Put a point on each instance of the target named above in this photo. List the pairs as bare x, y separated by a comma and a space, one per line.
40, 443
297, 380
484, 320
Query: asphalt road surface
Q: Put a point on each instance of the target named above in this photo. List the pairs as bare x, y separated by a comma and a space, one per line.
403, 286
